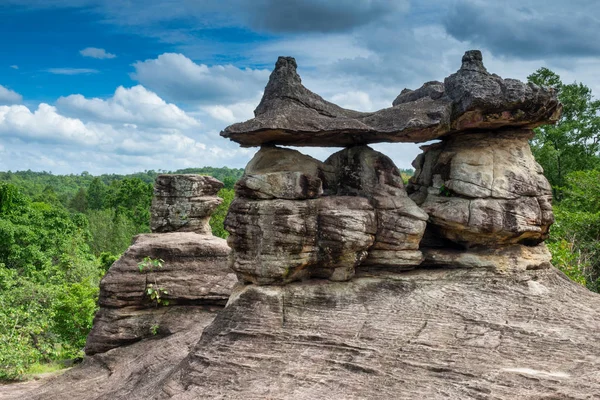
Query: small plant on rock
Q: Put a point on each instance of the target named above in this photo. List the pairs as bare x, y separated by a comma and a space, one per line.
444, 191
154, 290
154, 329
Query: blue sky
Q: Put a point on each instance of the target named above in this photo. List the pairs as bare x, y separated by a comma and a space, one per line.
122, 86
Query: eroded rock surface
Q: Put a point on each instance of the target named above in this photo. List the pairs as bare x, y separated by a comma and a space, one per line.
290, 114
466, 333
278, 241
484, 189
184, 203
194, 273
424, 334
362, 171
295, 217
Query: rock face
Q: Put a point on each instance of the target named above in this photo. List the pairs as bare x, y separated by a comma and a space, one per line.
194, 281
460, 333
472, 98
295, 217
484, 189
184, 203
362, 171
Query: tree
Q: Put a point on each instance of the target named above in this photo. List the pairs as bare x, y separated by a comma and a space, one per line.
573, 143
218, 217
79, 203
95, 194
132, 197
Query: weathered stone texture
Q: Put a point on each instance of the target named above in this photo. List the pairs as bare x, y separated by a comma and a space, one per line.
184, 203
425, 334
472, 98
296, 217
195, 273
484, 189
362, 171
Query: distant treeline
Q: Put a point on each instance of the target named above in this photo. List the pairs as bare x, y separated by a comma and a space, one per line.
58, 236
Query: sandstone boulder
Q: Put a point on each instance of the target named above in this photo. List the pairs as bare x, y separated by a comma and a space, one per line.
362, 171
484, 189
194, 274
279, 173
184, 203
290, 114
279, 241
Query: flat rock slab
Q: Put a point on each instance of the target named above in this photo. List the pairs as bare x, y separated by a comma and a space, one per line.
425, 334
472, 98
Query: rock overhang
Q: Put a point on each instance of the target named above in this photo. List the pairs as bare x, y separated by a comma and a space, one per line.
472, 98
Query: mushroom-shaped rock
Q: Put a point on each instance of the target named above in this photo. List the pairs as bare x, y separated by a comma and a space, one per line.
290, 114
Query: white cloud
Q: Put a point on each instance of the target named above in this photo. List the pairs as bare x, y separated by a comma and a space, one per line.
232, 113
177, 78
95, 52
45, 125
14, 66
131, 131
8, 96
135, 105
72, 71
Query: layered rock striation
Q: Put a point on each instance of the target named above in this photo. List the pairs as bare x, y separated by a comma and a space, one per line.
295, 217
184, 203
192, 280
472, 98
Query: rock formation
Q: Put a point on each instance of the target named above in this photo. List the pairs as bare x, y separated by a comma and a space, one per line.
482, 314
184, 203
472, 98
484, 189
194, 272
295, 217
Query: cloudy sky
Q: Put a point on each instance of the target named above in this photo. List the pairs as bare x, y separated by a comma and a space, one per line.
121, 86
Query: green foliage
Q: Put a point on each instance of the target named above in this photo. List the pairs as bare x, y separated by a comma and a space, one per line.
150, 264
73, 313
107, 260
110, 232
58, 236
568, 152
131, 197
573, 143
79, 203
218, 217
154, 329
96, 194
444, 191
575, 236
154, 291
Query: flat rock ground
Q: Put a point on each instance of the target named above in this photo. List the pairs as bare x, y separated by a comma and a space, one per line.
425, 334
